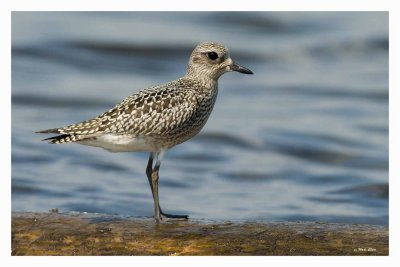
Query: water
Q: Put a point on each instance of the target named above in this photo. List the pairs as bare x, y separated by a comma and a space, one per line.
305, 138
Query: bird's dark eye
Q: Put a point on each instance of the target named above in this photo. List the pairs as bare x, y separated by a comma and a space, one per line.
212, 55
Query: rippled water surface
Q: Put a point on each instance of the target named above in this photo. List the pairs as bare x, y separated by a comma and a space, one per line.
304, 138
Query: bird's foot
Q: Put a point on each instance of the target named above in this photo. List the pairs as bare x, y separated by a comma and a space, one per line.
170, 216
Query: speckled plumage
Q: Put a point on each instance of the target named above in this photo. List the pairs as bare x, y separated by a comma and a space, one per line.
170, 114
158, 118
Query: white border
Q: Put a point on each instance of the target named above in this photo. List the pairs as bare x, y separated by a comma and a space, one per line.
204, 5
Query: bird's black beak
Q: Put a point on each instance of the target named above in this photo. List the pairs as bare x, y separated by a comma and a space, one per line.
238, 68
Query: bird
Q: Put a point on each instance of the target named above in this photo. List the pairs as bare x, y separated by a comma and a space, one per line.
157, 118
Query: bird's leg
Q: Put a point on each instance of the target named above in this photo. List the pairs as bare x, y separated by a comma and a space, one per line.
152, 175
149, 170
166, 215
153, 181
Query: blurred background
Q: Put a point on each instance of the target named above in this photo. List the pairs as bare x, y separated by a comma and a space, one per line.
304, 138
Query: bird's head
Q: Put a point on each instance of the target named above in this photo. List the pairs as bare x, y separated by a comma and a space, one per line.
211, 60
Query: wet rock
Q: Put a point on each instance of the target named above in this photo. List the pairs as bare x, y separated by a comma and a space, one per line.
96, 234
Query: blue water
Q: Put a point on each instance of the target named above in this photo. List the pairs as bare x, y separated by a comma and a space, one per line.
304, 138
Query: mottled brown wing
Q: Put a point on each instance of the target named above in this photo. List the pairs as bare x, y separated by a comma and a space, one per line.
150, 112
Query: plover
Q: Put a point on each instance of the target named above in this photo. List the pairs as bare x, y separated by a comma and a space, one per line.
158, 118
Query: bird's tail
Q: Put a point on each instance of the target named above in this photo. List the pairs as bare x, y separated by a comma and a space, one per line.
62, 137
